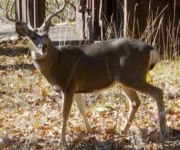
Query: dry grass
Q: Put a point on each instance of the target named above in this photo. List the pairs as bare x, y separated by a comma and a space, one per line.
30, 111
165, 36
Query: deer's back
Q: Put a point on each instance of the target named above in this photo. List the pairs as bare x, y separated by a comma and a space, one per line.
95, 66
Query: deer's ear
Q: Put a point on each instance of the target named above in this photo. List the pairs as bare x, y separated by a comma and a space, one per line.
22, 29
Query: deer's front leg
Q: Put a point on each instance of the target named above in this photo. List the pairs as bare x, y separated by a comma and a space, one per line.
67, 103
81, 106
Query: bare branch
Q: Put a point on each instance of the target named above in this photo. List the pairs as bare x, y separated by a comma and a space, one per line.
57, 3
72, 5
9, 11
50, 16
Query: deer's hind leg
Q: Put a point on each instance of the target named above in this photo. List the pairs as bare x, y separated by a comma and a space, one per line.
134, 104
157, 94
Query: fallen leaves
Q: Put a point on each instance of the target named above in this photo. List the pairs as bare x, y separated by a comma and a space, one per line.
30, 111
173, 114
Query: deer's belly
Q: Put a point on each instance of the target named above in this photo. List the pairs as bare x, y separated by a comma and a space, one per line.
89, 89
90, 81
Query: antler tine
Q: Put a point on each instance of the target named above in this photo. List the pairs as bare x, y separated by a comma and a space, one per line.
50, 16
8, 16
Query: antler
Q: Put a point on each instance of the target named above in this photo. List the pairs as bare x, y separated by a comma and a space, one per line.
45, 26
47, 21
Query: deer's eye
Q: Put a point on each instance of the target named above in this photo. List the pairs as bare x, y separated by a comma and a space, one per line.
46, 36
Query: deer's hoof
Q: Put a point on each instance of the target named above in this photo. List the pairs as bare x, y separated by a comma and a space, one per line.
63, 144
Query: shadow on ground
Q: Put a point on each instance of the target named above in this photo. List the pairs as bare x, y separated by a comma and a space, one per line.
17, 67
12, 52
90, 143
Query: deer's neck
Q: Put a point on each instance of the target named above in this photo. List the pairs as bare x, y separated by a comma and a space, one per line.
44, 65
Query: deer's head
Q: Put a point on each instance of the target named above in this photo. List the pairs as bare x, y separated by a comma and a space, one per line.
38, 37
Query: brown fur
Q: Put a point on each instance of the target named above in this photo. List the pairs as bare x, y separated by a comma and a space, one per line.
93, 67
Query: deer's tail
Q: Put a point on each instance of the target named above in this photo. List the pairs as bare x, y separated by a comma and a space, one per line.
154, 58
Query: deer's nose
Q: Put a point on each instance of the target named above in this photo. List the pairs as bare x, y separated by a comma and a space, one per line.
42, 46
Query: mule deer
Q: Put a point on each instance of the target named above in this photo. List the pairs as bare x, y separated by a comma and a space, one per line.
86, 68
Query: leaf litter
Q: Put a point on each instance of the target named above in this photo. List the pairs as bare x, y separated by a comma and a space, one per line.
31, 118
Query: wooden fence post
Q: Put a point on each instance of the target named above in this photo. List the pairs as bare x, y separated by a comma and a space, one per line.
32, 9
